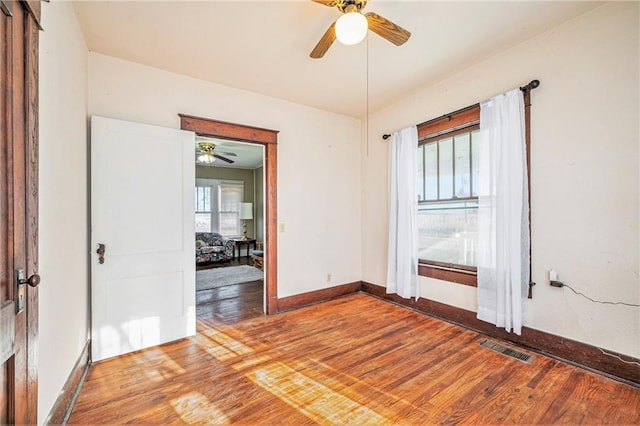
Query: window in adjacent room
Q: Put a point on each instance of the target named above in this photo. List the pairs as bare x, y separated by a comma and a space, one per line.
217, 206
231, 195
203, 208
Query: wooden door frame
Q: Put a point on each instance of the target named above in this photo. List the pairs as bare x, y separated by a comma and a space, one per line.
269, 139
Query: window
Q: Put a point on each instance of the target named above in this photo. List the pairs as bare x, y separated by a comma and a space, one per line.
447, 185
217, 206
448, 198
231, 195
448, 193
203, 209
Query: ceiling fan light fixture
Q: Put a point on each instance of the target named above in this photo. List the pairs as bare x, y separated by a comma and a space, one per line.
206, 158
351, 28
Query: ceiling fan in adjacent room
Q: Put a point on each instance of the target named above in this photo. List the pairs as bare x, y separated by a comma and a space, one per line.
206, 153
351, 27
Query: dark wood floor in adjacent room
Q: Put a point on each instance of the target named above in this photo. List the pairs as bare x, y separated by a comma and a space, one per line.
232, 303
354, 360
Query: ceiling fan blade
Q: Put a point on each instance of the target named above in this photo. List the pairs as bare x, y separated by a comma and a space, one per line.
325, 42
387, 29
223, 158
329, 3
228, 154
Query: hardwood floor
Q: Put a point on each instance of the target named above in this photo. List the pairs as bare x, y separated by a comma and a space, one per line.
232, 303
356, 360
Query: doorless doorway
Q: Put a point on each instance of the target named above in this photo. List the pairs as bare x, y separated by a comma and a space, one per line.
269, 139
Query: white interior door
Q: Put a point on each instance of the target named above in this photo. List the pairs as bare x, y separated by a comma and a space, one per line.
142, 211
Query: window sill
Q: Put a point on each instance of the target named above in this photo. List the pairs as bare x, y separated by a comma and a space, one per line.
453, 275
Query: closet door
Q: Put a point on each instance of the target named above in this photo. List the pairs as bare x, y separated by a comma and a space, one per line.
18, 211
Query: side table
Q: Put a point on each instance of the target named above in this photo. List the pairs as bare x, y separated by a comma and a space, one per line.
239, 243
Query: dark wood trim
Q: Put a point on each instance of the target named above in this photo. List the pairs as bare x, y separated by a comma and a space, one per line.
459, 276
304, 299
271, 227
225, 130
571, 351
450, 133
449, 121
63, 406
268, 138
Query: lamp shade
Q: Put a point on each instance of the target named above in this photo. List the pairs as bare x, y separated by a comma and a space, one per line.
206, 158
246, 211
351, 28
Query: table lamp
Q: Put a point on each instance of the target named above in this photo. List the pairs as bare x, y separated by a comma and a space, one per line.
246, 212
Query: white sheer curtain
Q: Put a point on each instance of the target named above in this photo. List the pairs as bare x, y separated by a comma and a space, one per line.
503, 213
402, 265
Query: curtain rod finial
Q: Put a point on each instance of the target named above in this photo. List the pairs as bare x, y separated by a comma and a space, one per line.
532, 85
386, 136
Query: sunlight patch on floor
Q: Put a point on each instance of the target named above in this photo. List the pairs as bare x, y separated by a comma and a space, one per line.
250, 362
195, 408
228, 342
311, 398
159, 366
219, 352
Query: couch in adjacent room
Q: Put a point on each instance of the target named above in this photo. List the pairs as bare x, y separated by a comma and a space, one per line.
213, 247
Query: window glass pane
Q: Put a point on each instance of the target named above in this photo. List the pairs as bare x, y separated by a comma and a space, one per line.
475, 163
203, 198
420, 177
431, 170
447, 232
203, 222
446, 168
231, 195
229, 224
462, 166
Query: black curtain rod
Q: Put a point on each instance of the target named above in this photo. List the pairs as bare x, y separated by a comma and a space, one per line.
532, 85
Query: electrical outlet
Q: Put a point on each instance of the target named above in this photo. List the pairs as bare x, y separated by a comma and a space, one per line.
553, 279
329, 277
281, 226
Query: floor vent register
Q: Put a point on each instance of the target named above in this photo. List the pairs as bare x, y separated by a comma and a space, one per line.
513, 353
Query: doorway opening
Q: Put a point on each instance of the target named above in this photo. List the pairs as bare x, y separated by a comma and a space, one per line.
229, 222
207, 128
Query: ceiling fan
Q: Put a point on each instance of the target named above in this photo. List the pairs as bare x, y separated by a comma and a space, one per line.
206, 153
351, 27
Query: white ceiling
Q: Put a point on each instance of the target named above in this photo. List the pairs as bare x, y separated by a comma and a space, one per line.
263, 46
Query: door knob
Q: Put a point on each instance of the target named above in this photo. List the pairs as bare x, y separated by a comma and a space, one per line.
20, 293
33, 280
101, 250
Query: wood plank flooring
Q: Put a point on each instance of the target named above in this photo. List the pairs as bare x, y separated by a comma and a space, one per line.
356, 360
232, 303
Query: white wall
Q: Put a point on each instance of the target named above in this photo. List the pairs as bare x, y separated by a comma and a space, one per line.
318, 161
584, 176
63, 309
